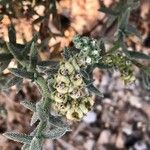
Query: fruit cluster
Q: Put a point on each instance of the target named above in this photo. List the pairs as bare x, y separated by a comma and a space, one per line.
71, 98
121, 63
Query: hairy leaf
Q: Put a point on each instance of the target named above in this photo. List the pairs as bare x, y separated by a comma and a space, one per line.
22, 73
132, 30
123, 22
92, 88
19, 85
57, 121
3, 65
108, 11
34, 118
101, 46
29, 105
15, 50
25, 147
5, 56
138, 55
145, 74
23, 138
12, 34
33, 56
48, 63
55, 133
84, 74
35, 144
101, 66
12, 81
66, 53
42, 114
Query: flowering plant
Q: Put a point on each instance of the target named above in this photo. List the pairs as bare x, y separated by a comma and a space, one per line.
67, 86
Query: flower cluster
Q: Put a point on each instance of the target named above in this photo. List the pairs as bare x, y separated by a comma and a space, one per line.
71, 98
91, 53
121, 63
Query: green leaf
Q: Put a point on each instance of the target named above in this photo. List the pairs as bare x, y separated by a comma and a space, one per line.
57, 121
101, 46
108, 11
19, 85
55, 133
101, 66
145, 74
29, 105
27, 47
33, 56
25, 147
138, 55
23, 138
3, 65
48, 63
34, 118
5, 56
12, 34
134, 54
15, 50
12, 81
42, 113
123, 21
35, 144
84, 73
1, 17
22, 73
132, 30
66, 53
92, 88
51, 71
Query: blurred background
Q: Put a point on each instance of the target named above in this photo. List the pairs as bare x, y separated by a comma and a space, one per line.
119, 121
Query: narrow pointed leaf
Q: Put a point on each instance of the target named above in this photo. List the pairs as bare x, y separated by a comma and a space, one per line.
101, 66
48, 63
1, 17
84, 74
27, 47
123, 22
57, 121
33, 56
12, 34
3, 65
29, 105
23, 138
5, 56
19, 85
66, 53
22, 73
108, 11
34, 118
92, 88
12, 81
132, 30
15, 51
55, 133
25, 147
101, 46
138, 55
35, 144
42, 114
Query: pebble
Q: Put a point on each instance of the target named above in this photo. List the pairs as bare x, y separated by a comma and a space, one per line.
90, 117
140, 146
104, 137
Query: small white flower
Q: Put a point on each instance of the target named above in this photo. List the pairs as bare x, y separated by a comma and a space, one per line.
88, 60
95, 52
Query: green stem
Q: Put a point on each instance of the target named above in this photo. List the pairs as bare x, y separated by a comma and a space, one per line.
41, 83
